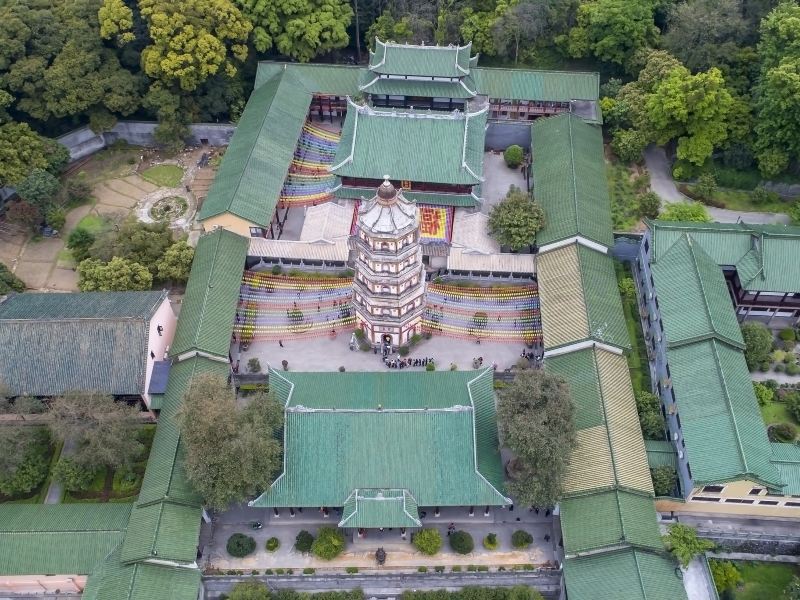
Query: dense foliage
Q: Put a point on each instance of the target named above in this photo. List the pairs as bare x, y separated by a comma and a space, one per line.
303, 541
427, 541
663, 480
648, 406
328, 544
515, 221
521, 539
461, 542
758, 343
240, 545
682, 541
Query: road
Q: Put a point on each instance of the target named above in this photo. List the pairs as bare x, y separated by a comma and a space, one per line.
382, 585
661, 183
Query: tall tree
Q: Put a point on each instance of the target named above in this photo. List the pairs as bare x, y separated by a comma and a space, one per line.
232, 453
515, 221
23, 150
39, 188
535, 420
176, 262
143, 243
103, 431
300, 29
758, 343
521, 24
117, 275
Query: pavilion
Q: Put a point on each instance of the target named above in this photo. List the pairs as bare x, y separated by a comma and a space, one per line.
383, 447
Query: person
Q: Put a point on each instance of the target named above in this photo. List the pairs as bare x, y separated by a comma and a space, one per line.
280, 343
451, 528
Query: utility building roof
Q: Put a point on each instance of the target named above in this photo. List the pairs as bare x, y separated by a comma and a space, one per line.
422, 146
51, 343
430, 438
420, 61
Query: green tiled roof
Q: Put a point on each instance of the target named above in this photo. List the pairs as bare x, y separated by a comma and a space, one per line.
373, 84
569, 180
764, 255
141, 581
579, 369
212, 294
250, 178
380, 508
52, 343
693, 296
58, 538
525, 84
603, 303
786, 458
625, 575
660, 454
724, 433
432, 434
608, 519
163, 531
420, 61
334, 80
462, 200
409, 145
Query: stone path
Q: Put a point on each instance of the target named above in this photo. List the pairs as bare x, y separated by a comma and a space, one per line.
661, 183
56, 489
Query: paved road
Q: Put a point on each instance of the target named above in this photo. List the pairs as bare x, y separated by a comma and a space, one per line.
56, 490
391, 585
662, 184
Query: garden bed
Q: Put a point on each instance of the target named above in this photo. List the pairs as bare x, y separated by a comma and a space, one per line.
168, 176
637, 358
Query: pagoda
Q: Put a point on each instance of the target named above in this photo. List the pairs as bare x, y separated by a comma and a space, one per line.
389, 284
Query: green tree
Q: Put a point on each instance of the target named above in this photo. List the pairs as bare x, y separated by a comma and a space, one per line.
627, 289
521, 539
240, 545
461, 542
428, 541
794, 213
663, 480
116, 21
513, 156
387, 28
329, 543
303, 541
515, 221
143, 243
706, 186
764, 394
648, 406
685, 211
23, 459
778, 117
612, 30
535, 420
682, 541
193, 40
9, 283
23, 150
79, 242
758, 343
629, 144
649, 205
117, 275
103, 431
215, 430
726, 575
249, 590
38, 188
300, 29
75, 476
176, 262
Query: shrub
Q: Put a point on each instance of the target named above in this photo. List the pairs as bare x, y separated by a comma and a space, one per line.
453, 367
472, 568
75, 476
483, 568
309, 571
490, 542
254, 365
787, 335
764, 367
351, 570
329, 543
628, 145
422, 569
794, 213
9, 282
277, 269
758, 342
764, 395
706, 186
461, 542
56, 218
763, 196
792, 401
513, 156
779, 368
430, 367
279, 571
792, 369
521, 539
439, 569
726, 575
240, 545
303, 541
782, 432
663, 480
427, 541
79, 242
649, 205
455, 569
682, 541
403, 350
273, 544
285, 364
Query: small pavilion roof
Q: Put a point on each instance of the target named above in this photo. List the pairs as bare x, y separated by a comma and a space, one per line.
419, 60
380, 508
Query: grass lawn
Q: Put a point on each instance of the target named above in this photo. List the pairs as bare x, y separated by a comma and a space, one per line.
168, 176
624, 197
740, 200
776, 412
92, 223
764, 580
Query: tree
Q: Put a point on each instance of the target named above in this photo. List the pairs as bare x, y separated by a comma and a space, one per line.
215, 430
23, 459
461, 542
176, 262
193, 40
627, 289
648, 406
612, 30
329, 543
9, 283
22, 150
79, 242
24, 214
143, 243
649, 205
535, 420
116, 21
249, 590
303, 541
103, 431
794, 213
521, 539
240, 545
117, 275
758, 343
726, 575
427, 541
682, 541
706, 186
38, 188
515, 221
300, 29
764, 394
513, 156
778, 117
521, 23
74, 475
629, 145
663, 480
685, 211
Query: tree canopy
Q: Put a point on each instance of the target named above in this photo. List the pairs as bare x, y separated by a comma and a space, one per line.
117, 275
216, 430
682, 541
758, 343
515, 221
685, 211
535, 420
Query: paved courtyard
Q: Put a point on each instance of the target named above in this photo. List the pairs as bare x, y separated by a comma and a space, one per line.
498, 178
360, 552
328, 354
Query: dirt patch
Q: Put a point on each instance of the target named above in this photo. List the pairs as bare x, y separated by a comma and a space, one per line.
65, 280
123, 187
111, 197
145, 186
114, 212
45, 250
34, 274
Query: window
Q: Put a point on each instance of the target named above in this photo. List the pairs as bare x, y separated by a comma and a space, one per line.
756, 491
704, 499
792, 504
768, 502
739, 501
646, 246
257, 232
689, 469
713, 489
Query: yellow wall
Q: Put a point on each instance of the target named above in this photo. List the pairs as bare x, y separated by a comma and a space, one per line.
229, 222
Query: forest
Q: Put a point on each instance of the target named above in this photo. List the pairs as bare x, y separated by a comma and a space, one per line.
716, 77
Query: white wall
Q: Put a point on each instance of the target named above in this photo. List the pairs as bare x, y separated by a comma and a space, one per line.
158, 344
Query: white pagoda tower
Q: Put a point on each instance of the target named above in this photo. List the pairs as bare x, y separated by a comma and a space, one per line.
389, 283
